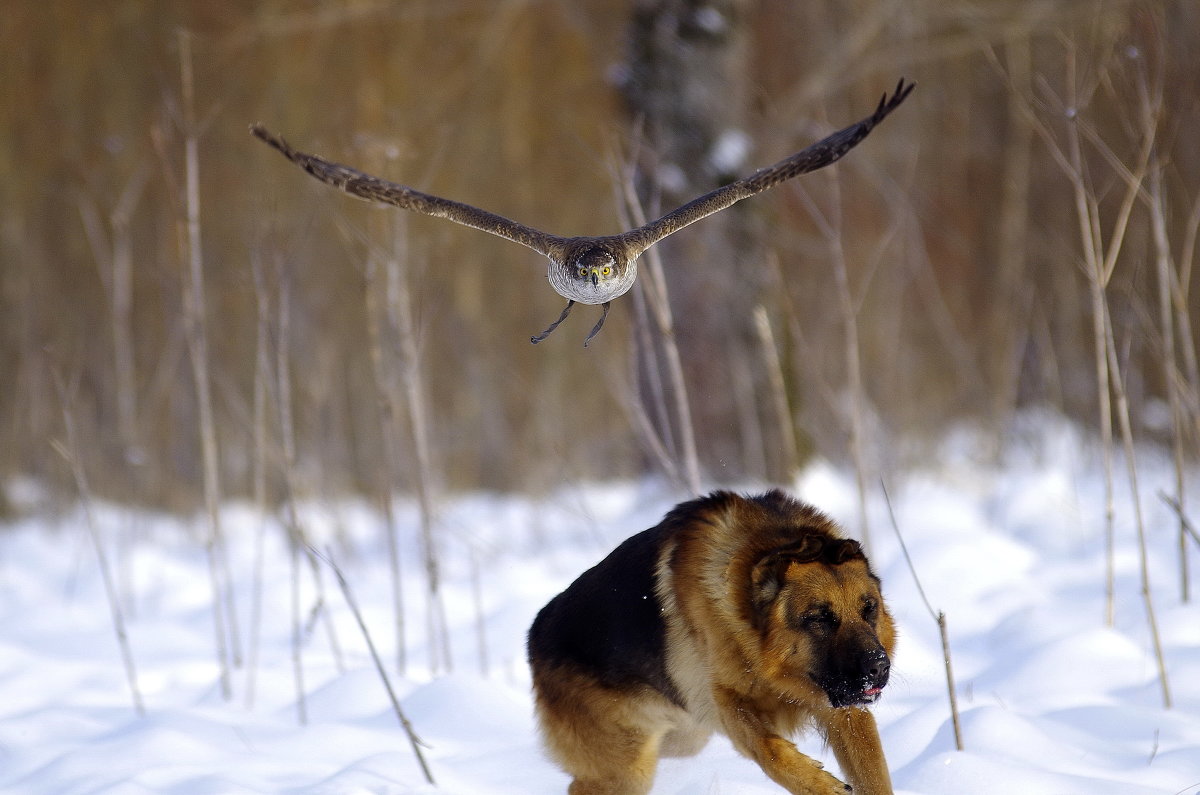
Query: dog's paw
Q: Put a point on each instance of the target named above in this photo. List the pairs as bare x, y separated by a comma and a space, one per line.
829, 783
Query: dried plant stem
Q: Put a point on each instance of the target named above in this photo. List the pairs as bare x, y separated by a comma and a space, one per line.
262, 381
1143, 554
1174, 385
653, 372
654, 287
297, 637
779, 399
1180, 295
224, 614
627, 394
830, 225
1178, 509
389, 411
1013, 234
1101, 261
939, 617
287, 434
1150, 109
400, 313
114, 260
70, 453
413, 740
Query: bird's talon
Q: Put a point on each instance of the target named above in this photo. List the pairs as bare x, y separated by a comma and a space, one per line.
566, 311
596, 328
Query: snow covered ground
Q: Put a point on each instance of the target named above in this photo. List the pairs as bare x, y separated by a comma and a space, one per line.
1052, 701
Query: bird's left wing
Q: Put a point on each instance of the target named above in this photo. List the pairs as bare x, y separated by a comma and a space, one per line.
821, 154
365, 186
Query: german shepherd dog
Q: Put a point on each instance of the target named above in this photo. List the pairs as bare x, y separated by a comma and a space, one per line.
750, 616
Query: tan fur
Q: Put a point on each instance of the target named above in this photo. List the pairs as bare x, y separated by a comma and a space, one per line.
741, 668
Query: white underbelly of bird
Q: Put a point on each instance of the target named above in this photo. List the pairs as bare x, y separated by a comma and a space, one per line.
594, 287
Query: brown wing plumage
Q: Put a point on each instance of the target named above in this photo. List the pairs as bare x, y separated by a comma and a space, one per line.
819, 155
365, 186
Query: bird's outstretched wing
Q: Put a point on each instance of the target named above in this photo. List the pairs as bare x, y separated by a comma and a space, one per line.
365, 186
819, 155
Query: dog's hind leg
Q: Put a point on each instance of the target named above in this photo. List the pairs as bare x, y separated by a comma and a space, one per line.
627, 767
607, 739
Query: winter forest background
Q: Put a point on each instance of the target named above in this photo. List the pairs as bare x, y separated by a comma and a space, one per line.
957, 228
191, 326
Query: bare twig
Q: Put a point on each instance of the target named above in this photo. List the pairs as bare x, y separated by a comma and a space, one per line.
297, 535
224, 614
389, 410
262, 381
1143, 554
779, 399
400, 318
654, 285
70, 453
830, 224
939, 617
1188, 528
413, 739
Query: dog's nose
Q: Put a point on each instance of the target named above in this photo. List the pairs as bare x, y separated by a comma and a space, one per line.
876, 665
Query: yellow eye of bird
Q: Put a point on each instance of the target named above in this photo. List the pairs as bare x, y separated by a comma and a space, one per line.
605, 270
582, 271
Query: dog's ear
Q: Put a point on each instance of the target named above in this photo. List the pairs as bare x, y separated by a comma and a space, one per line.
843, 550
766, 578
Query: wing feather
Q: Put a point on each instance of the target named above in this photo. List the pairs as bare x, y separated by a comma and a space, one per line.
364, 186
821, 154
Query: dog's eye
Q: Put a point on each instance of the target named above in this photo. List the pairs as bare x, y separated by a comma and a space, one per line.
822, 620
870, 610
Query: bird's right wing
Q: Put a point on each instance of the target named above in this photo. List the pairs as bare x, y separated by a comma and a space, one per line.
824, 152
365, 186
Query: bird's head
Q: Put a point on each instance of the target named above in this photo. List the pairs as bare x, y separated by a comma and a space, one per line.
592, 271
595, 266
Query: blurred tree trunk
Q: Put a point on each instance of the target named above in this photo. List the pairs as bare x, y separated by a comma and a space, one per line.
686, 88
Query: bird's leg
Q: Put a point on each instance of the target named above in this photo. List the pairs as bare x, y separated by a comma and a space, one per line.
596, 329
554, 325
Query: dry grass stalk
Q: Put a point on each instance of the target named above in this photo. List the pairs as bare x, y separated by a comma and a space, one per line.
830, 224
1098, 272
779, 399
114, 260
70, 453
1013, 234
1188, 529
195, 329
413, 740
297, 637
1180, 296
644, 352
1143, 555
389, 411
1101, 260
400, 318
1170, 361
262, 382
297, 536
939, 617
653, 286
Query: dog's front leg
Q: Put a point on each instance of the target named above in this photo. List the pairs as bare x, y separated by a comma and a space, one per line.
854, 739
777, 756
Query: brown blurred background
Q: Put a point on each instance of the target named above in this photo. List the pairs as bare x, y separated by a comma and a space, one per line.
957, 223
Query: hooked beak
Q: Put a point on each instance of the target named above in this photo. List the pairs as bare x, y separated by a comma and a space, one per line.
595, 277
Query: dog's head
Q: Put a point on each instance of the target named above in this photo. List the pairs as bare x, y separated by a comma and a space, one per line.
823, 622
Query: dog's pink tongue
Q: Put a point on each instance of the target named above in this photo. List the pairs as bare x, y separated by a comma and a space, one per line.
874, 691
